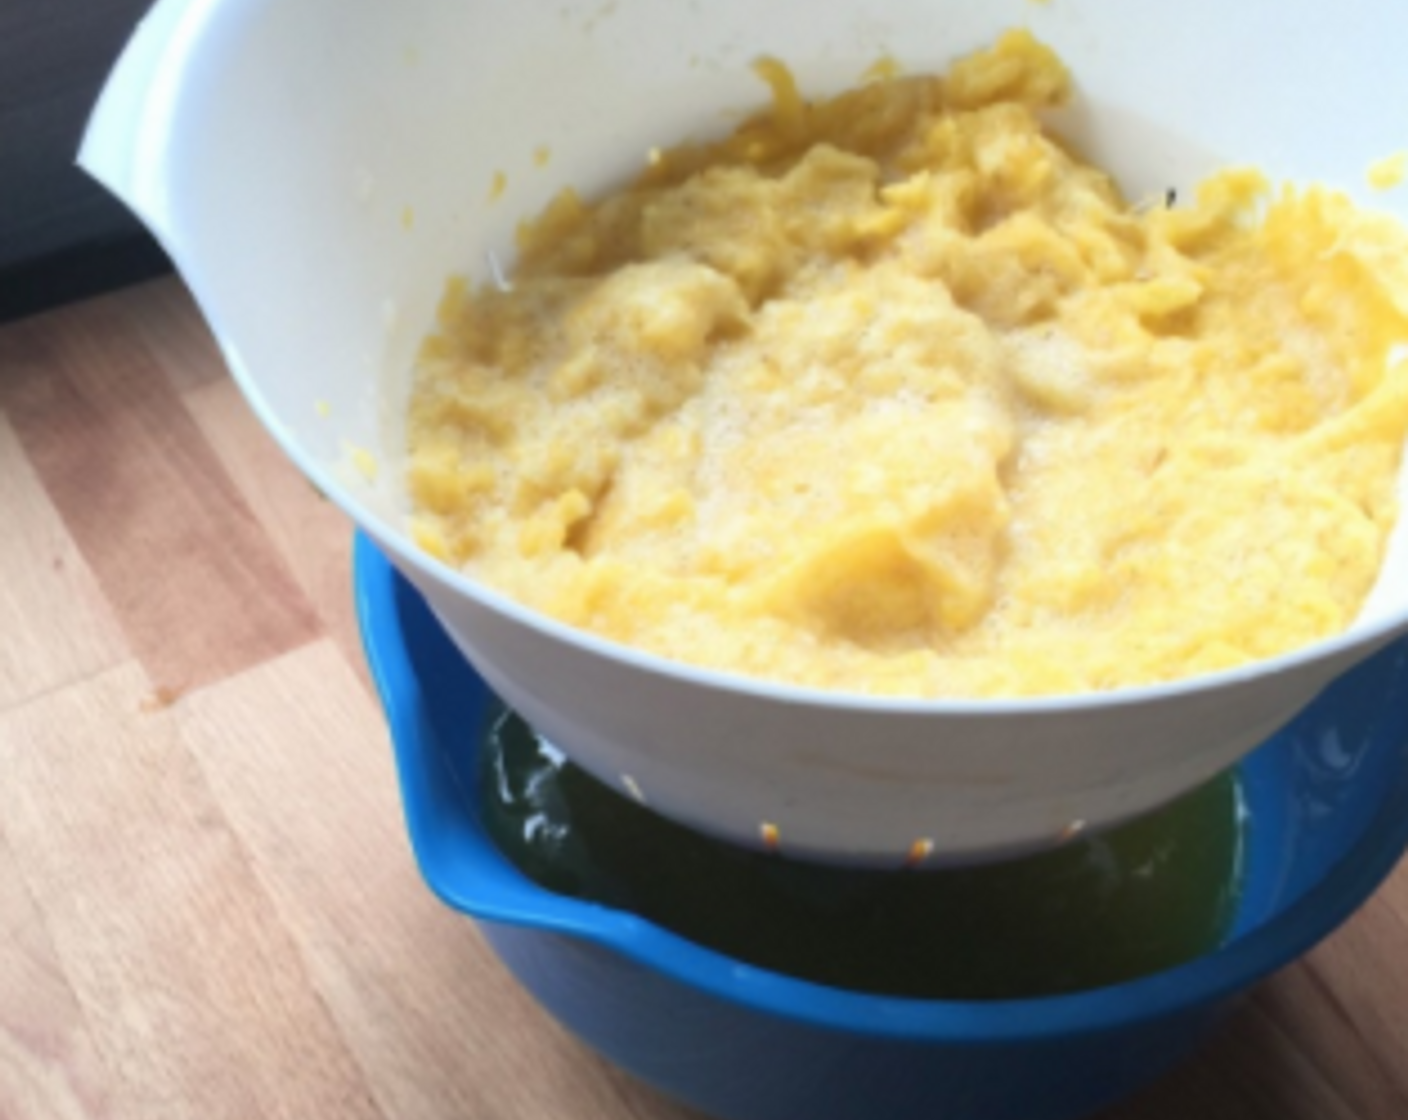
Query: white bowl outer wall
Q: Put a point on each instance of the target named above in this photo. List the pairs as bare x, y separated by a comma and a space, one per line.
862, 785
317, 169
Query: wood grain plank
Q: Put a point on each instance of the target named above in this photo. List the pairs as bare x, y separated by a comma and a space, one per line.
1255, 1070
1393, 895
196, 587
1344, 1009
298, 757
1299, 1044
56, 625
171, 327
312, 535
195, 997
49, 1068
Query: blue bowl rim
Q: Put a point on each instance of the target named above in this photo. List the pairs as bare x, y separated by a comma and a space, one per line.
502, 894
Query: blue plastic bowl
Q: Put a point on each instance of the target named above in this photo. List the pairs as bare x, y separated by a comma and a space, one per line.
1328, 804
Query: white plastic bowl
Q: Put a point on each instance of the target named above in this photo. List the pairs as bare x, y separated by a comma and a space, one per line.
317, 169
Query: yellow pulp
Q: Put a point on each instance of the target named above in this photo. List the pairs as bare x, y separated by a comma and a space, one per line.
891, 393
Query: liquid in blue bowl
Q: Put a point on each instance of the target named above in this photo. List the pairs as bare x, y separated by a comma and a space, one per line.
1098, 910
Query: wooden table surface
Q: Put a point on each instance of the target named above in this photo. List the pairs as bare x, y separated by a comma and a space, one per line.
208, 907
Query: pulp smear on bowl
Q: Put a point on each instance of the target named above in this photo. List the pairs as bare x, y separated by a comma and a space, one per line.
1141, 898
891, 393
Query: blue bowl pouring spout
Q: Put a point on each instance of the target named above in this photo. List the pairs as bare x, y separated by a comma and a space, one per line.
1327, 799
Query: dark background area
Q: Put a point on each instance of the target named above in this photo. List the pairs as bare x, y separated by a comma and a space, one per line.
62, 237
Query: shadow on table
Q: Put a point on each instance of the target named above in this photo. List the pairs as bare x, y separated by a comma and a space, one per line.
1290, 1051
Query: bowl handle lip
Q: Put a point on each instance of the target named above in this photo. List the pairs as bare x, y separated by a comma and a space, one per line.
442, 831
125, 142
